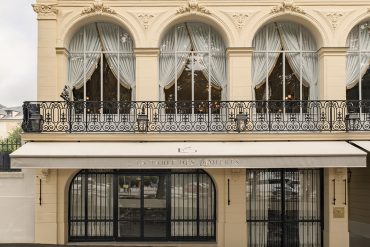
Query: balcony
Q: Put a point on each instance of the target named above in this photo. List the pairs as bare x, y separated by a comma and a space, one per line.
196, 116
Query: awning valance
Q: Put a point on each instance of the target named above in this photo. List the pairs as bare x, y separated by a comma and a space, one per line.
166, 155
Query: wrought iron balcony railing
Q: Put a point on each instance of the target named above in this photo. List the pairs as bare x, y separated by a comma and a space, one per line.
196, 116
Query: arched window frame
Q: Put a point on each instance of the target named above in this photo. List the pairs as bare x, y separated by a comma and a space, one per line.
84, 189
358, 60
117, 58
179, 53
277, 50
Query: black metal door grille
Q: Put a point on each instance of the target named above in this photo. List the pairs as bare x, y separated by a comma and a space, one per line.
132, 205
284, 207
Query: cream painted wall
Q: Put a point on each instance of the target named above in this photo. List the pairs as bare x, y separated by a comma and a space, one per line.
17, 216
237, 21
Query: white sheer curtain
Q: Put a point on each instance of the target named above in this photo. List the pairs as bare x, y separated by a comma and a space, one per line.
293, 41
204, 39
265, 40
121, 60
356, 65
86, 39
167, 69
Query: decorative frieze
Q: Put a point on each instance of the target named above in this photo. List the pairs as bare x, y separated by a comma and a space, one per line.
145, 19
287, 6
99, 8
193, 7
44, 10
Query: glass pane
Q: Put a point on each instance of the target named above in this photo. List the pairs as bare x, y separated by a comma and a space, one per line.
168, 74
292, 76
310, 75
219, 78
77, 206
129, 206
353, 76
100, 204
275, 79
155, 210
201, 75
184, 204
353, 40
297, 192
184, 82
363, 34
93, 77
365, 82
110, 82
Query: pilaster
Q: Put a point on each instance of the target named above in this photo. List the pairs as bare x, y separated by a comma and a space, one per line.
332, 67
147, 66
336, 208
46, 55
239, 73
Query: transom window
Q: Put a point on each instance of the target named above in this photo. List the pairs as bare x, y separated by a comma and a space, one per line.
192, 64
101, 64
131, 205
358, 63
285, 65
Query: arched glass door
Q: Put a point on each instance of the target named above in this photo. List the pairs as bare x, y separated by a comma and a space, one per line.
136, 205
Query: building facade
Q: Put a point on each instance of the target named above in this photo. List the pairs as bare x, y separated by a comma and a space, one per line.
202, 123
10, 119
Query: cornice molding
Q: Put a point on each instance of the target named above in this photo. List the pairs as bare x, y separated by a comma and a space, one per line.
239, 51
287, 6
62, 50
45, 10
99, 8
193, 7
145, 52
333, 51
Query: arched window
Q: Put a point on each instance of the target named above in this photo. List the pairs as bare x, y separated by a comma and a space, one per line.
101, 64
285, 65
358, 63
121, 205
192, 64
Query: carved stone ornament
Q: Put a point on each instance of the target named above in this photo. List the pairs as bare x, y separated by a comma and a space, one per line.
99, 8
145, 19
334, 18
240, 19
193, 7
287, 6
45, 9
44, 174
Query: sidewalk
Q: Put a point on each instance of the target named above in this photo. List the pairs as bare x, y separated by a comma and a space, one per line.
358, 241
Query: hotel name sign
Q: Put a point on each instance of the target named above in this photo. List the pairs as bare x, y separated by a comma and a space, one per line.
186, 163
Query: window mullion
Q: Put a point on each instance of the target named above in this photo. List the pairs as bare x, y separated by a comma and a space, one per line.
118, 70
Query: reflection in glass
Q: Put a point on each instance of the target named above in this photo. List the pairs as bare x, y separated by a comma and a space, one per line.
284, 207
171, 205
129, 206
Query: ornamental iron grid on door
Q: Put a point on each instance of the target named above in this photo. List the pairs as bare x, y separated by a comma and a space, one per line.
284, 207
133, 205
